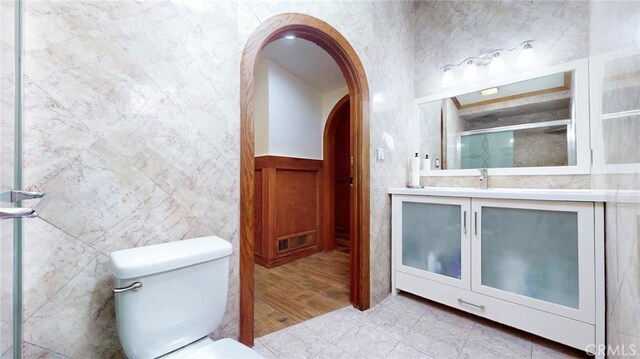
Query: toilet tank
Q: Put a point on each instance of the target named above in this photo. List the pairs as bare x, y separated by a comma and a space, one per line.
182, 298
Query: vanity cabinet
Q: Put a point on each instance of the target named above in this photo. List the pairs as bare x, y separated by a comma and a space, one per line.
529, 264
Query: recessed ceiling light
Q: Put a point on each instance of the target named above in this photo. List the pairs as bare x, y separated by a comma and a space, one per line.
487, 92
290, 37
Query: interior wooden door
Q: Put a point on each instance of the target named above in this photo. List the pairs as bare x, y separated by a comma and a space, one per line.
342, 176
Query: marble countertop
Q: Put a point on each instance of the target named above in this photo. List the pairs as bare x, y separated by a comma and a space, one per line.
584, 195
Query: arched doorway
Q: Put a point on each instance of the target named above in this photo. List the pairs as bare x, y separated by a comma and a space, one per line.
328, 38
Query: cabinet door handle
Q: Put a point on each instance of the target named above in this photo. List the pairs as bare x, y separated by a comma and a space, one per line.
475, 222
462, 301
465, 222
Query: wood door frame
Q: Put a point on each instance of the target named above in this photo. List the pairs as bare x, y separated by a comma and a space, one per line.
328, 174
322, 34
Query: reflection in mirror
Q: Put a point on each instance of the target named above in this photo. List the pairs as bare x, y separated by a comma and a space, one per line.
523, 124
621, 109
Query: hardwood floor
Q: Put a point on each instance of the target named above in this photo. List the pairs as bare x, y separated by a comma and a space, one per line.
300, 290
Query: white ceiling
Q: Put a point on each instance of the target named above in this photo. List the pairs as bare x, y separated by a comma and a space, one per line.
307, 61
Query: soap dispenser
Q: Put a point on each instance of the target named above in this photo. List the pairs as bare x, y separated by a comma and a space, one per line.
415, 171
426, 163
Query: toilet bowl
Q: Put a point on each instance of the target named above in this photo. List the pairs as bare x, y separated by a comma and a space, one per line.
170, 296
208, 349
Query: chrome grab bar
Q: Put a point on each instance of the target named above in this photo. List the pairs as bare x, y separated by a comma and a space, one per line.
17, 196
133, 286
22, 212
17, 212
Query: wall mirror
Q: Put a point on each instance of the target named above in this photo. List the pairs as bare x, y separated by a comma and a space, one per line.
531, 124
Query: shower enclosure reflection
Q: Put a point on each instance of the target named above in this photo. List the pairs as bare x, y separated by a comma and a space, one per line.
522, 124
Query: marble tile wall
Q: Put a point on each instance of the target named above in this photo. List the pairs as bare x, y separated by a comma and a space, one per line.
132, 127
131, 114
615, 26
449, 31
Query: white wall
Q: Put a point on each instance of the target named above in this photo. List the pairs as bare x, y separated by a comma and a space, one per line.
329, 100
261, 111
295, 125
290, 115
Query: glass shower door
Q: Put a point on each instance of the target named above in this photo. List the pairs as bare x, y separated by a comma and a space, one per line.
12, 208
7, 166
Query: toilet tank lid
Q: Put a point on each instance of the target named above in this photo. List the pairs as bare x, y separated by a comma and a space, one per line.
141, 261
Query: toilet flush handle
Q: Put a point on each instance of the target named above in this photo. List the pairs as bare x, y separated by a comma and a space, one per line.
133, 286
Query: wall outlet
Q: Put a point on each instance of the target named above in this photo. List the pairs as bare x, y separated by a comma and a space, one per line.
380, 154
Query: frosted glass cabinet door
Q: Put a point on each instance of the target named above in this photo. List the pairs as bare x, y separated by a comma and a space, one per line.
433, 239
535, 252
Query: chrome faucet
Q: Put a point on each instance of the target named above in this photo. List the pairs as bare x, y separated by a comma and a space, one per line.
484, 178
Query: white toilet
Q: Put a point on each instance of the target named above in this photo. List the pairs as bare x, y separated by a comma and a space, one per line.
170, 296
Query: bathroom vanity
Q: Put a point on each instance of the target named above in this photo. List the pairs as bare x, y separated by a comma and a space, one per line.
530, 259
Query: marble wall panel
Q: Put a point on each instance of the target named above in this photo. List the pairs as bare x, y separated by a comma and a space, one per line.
615, 27
136, 105
58, 326
145, 143
450, 31
7, 37
547, 182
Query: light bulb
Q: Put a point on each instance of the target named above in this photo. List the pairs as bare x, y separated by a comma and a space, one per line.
447, 77
290, 37
496, 66
470, 71
527, 57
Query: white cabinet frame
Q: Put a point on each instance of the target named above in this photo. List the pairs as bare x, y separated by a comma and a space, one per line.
580, 328
465, 238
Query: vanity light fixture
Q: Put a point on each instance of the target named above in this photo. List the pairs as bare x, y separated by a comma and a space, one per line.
527, 57
496, 65
489, 91
470, 71
494, 62
447, 78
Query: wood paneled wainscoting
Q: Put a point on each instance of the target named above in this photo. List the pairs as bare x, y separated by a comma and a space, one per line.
288, 212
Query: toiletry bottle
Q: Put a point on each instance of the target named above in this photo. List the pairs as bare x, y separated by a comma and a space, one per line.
415, 171
437, 163
426, 163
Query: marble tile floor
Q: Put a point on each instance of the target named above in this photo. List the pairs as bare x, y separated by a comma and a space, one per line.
406, 327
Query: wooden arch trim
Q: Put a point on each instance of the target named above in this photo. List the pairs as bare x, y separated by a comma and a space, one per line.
329, 39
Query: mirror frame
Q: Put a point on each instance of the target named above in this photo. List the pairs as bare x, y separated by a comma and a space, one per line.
580, 69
